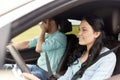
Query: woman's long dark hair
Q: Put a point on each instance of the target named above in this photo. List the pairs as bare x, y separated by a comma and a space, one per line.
98, 26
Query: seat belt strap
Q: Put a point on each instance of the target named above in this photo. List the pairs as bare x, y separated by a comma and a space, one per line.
107, 52
48, 65
102, 55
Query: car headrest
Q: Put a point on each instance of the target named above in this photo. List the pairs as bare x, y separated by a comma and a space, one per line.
116, 22
112, 23
65, 26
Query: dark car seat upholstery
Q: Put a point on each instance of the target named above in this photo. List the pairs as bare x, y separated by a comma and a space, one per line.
112, 25
113, 29
65, 26
72, 42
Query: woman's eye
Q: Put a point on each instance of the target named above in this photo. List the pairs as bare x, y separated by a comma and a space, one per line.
84, 29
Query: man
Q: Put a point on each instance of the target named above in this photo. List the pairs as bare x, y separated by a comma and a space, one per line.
50, 41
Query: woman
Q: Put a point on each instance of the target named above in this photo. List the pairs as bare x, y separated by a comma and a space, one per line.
91, 36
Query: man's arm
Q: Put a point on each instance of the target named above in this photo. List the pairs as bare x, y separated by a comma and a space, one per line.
40, 41
44, 27
21, 45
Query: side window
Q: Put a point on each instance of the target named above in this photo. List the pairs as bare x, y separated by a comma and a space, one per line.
75, 26
35, 31
28, 34
119, 37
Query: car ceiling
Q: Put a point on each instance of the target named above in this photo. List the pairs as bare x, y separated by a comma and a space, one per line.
107, 9
103, 8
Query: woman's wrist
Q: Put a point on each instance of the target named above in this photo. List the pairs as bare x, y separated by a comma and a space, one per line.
30, 76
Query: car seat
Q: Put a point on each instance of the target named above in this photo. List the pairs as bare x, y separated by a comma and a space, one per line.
72, 42
114, 30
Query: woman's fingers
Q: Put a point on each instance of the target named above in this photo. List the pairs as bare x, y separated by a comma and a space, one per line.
30, 76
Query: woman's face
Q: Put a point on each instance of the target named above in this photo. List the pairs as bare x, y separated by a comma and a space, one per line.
87, 35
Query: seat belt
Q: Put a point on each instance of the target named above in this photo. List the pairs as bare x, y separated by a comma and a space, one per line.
107, 52
48, 65
102, 55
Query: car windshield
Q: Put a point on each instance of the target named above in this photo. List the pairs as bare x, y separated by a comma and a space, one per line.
9, 5
10, 8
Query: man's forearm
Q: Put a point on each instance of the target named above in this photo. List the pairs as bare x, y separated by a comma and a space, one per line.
22, 45
40, 41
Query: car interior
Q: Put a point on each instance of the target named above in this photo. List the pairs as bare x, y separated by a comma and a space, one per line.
111, 16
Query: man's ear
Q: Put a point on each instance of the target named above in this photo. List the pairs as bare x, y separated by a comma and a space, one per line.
97, 34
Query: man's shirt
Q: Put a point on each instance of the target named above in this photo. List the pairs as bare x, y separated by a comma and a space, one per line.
54, 45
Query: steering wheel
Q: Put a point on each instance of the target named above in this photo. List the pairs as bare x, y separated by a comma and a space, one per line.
19, 60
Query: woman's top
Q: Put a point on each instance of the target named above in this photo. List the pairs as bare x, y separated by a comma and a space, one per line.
100, 70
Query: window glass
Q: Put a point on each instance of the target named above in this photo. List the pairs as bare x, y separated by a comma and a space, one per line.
119, 37
28, 34
75, 26
35, 31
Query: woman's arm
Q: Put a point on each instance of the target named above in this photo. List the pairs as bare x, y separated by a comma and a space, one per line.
105, 68
30, 76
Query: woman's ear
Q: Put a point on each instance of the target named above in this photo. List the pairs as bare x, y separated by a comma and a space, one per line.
97, 34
